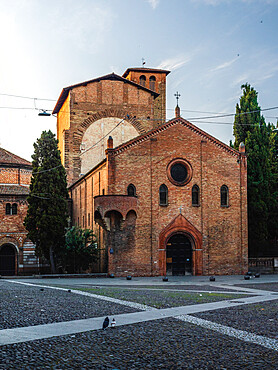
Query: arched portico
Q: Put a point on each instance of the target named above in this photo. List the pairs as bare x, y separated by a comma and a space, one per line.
193, 250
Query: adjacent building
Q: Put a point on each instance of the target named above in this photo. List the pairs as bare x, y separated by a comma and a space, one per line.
17, 252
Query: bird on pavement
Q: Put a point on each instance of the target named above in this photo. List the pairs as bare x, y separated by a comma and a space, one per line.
105, 323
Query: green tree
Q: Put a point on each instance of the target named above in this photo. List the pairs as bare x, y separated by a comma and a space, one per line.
81, 248
46, 218
260, 140
248, 113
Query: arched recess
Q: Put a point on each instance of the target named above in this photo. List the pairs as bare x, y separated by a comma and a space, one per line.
180, 225
8, 259
78, 135
129, 230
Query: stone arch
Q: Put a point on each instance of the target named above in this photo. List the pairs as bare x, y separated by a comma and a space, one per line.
181, 225
9, 240
83, 160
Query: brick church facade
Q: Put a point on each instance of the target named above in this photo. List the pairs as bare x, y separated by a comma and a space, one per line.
162, 197
17, 252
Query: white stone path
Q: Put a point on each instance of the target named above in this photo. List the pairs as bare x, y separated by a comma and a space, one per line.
24, 334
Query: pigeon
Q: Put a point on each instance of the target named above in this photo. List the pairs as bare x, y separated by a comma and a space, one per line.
105, 323
113, 323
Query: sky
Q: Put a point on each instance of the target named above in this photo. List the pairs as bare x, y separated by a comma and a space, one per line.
211, 47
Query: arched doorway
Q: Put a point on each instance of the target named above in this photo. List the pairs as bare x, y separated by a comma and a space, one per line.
7, 260
179, 255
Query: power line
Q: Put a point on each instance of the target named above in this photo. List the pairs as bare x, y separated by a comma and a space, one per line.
26, 97
50, 169
103, 137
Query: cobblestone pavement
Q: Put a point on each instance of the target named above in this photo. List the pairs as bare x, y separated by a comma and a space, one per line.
27, 306
260, 318
162, 298
158, 344
163, 344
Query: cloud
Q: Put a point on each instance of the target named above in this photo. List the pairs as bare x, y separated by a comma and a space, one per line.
153, 3
174, 63
224, 65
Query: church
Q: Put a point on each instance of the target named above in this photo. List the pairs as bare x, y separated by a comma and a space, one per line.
163, 197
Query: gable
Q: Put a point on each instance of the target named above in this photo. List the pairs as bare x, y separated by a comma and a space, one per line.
187, 126
82, 87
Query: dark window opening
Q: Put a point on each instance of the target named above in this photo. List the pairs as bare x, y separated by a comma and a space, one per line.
142, 80
88, 219
179, 172
152, 83
224, 193
14, 209
195, 195
8, 209
131, 190
163, 195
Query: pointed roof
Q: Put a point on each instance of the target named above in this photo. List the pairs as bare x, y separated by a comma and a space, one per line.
13, 190
112, 77
8, 158
177, 120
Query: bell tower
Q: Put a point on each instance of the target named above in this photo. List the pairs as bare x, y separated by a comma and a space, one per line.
155, 80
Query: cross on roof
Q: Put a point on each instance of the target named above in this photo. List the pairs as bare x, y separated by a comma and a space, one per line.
177, 95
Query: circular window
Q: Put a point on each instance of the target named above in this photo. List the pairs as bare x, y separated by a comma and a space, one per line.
179, 172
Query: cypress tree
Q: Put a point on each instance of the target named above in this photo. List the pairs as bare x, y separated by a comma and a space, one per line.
248, 113
46, 218
260, 140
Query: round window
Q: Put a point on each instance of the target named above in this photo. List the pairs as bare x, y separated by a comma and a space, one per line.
179, 172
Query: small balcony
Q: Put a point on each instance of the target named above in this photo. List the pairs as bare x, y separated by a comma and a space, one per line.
108, 205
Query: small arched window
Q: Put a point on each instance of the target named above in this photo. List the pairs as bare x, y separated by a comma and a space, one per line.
152, 83
8, 209
163, 195
142, 80
224, 194
131, 190
14, 209
195, 195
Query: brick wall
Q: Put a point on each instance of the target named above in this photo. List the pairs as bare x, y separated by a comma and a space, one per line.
93, 102
138, 249
14, 189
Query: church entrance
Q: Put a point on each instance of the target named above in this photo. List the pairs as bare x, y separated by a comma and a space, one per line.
179, 255
7, 260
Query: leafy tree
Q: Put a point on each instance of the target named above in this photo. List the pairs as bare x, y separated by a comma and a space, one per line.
46, 218
81, 248
261, 146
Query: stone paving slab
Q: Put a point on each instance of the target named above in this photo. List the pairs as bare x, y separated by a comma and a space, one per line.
262, 286
161, 344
